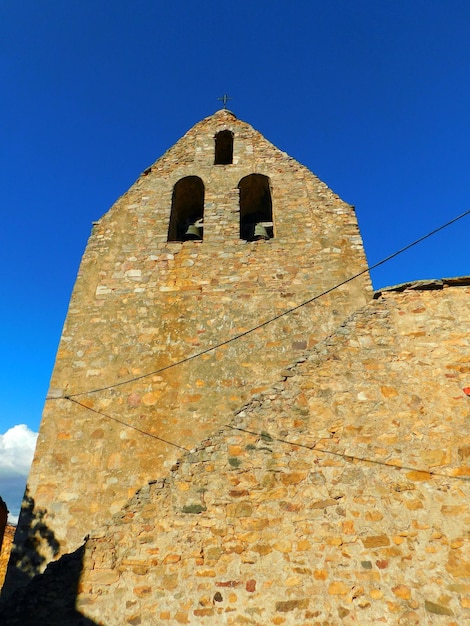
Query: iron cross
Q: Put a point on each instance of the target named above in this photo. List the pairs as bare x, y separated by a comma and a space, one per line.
225, 99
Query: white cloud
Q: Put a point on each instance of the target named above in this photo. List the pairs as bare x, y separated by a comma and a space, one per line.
16, 453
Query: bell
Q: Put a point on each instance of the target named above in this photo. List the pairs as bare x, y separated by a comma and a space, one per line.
260, 232
193, 232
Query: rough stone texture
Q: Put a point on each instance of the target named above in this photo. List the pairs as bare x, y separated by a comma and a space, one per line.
142, 303
326, 476
5, 550
49, 599
339, 496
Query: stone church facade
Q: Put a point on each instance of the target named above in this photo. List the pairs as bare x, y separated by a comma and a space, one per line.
210, 452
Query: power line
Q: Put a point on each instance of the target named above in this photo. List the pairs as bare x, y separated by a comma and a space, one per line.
350, 457
139, 430
267, 437
272, 319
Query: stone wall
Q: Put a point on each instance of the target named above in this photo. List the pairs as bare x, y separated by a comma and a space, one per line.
315, 471
5, 551
338, 496
48, 599
142, 303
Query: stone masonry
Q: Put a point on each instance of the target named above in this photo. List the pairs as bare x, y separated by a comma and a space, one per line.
338, 496
312, 472
5, 550
142, 303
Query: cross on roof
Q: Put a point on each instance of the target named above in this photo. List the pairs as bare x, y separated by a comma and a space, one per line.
225, 99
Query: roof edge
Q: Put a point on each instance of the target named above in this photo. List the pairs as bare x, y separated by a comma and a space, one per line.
423, 285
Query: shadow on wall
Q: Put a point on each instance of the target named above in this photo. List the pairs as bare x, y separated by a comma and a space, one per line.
34, 545
32, 598
50, 598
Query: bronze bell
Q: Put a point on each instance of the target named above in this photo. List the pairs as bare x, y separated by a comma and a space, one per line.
260, 232
193, 232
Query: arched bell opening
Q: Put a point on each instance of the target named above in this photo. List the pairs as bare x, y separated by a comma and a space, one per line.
256, 208
187, 210
224, 148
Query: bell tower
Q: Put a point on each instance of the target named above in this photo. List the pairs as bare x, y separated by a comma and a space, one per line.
216, 240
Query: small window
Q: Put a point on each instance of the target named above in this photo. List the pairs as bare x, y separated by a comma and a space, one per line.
224, 148
256, 209
187, 210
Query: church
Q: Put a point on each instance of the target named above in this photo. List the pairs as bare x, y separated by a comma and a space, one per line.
238, 429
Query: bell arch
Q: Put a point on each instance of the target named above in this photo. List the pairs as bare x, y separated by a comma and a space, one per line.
187, 210
256, 208
223, 148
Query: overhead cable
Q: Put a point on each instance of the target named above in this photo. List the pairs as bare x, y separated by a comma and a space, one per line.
139, 430
267, 437
270, 320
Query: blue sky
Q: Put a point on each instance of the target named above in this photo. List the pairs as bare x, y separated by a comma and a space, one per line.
372, 95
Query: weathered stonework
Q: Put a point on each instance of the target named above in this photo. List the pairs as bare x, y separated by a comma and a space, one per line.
5, 551
324, 462
340, 496
142, 303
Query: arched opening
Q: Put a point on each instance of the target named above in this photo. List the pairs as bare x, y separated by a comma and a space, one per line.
256, 209
224, 148
187, 210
